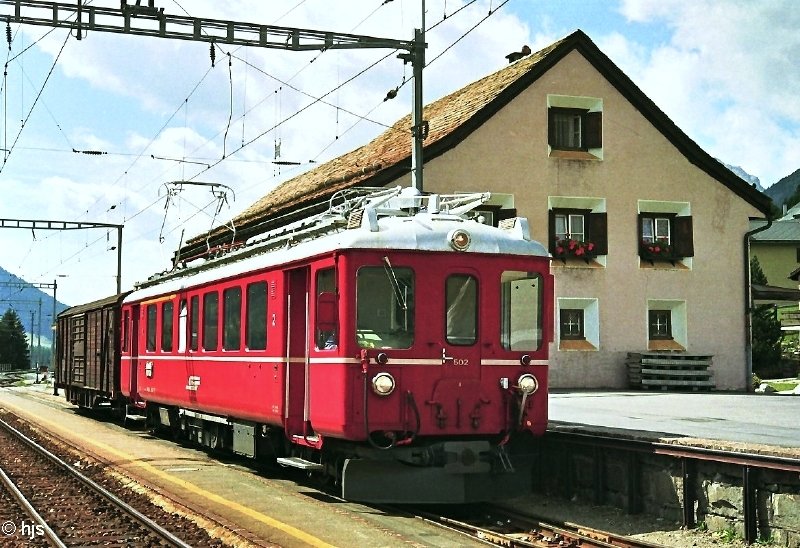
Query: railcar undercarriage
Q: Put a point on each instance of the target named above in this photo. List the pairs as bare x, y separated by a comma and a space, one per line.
428, 471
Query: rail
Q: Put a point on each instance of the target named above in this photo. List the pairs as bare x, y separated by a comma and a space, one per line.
512, 530
60, 521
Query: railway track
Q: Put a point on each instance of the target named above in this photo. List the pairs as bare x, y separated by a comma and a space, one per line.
53, 503
503, 528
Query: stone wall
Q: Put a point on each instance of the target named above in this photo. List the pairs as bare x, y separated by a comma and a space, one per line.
654, 485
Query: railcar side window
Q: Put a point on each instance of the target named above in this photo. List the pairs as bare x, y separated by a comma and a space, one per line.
194, 322
166, 326
210, 320
256, 330
461, 294
385, 307
232, 314
152, 313
521, 310
327, 336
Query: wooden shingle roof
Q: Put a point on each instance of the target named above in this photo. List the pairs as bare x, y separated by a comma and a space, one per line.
451, 119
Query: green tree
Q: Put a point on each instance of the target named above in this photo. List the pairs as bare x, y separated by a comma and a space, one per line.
13, 342
767, 332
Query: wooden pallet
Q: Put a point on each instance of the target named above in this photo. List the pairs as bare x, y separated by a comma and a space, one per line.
669, 370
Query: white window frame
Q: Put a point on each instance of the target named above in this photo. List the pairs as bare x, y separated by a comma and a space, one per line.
677, 309
591, 320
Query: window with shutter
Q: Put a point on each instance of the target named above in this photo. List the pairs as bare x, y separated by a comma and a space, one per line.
570, 129
578, 233
665, 236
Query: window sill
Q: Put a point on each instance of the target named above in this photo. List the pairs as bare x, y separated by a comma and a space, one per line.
573, 155
665, 344
575, 262
576, 344
663, 264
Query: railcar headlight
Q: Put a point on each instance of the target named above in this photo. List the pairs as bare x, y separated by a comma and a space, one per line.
460, 239
383, 384
528, 384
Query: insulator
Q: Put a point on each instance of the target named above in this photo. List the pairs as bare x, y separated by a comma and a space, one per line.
213, 54
8, 34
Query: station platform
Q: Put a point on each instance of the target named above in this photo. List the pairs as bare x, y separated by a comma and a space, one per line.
766, 422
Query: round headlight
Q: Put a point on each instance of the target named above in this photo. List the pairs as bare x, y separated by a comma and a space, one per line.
383, 384
528, 384
460, 240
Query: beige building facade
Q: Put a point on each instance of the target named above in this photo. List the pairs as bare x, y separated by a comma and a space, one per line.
589, 159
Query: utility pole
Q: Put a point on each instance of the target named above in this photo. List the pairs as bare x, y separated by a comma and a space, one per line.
155, 22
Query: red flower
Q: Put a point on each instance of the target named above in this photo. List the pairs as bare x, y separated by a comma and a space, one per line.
572, 244
657, 249
579, 252
590, 246
559, 250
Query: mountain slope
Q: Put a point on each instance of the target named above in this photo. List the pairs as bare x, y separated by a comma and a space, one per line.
29, 303
783, 189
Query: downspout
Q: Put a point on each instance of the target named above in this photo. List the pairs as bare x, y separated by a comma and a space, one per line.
748, 300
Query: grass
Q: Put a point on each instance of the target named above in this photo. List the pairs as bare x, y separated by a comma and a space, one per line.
781, 386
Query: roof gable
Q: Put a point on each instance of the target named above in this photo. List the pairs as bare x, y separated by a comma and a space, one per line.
451, 119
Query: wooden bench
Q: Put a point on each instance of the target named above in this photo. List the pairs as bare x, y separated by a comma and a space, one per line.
669, 370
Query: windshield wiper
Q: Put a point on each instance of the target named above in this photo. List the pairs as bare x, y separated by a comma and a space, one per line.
398, 291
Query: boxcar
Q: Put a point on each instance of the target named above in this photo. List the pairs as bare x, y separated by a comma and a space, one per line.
87, 352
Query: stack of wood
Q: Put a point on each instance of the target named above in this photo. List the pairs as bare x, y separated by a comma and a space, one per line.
669, 370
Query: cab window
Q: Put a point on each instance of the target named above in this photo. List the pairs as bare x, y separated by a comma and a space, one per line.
521, 310
385, 307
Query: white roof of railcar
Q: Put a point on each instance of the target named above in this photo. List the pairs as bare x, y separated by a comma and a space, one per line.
421, 231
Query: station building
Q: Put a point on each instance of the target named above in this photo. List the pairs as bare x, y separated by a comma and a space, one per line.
648, 232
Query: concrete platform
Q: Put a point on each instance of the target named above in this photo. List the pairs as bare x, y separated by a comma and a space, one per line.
725, 418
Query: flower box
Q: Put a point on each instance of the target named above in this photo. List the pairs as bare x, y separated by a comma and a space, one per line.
571, 248
658, 250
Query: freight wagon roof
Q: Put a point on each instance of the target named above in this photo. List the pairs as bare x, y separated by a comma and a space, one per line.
421, 232
94, 305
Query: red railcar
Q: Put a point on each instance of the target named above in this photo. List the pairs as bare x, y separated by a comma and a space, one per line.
393, 343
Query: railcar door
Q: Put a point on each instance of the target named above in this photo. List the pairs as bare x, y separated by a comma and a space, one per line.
296, 402
130, 344
457, 399
461, 338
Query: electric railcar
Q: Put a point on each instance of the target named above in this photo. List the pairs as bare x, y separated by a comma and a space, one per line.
397, 343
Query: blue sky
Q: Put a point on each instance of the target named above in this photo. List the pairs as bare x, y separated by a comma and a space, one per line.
726, 72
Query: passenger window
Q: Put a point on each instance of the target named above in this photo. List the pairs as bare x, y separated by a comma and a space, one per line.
256, 330
152, 314
166, 326
210, 320
461, 297
521, 310
232, 314
385, 307
194, 322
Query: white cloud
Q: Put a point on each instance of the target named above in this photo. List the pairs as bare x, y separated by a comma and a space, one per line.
728, 77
